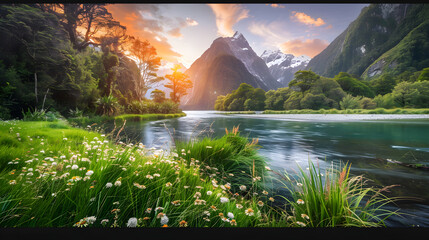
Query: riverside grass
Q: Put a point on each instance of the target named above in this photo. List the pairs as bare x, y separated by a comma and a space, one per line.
352, 111
53, 175
337, 200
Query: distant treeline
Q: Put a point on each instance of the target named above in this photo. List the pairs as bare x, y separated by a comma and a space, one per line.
311, 91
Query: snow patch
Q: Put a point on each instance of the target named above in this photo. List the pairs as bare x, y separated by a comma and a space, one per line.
362, 49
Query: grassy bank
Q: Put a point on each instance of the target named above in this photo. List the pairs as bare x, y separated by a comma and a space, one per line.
54, 175
353, 111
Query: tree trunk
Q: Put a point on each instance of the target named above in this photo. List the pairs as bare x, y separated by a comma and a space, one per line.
44, 99
35, 87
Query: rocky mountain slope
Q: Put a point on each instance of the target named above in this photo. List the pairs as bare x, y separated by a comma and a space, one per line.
362, 49
227, 63
283, 66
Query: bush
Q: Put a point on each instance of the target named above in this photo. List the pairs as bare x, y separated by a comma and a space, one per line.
107, 105
148, 106
41, 115
350, 102
232, 154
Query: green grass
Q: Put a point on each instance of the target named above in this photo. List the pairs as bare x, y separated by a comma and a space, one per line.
56, 195
231, 154
353, 111
334, 199
147, 117
42, 188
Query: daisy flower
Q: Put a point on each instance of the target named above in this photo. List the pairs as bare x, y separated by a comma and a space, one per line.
249, 212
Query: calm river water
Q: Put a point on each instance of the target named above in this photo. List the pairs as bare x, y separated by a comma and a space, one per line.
286, 144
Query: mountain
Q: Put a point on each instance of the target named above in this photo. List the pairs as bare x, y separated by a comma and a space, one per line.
227, 63
384, 38
283, 66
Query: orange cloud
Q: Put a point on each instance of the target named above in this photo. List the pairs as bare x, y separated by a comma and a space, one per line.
191, 22
227, 15
309, 47
307, 20
275, 5
146, 22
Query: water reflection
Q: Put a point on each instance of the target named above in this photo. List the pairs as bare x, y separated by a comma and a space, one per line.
285, 144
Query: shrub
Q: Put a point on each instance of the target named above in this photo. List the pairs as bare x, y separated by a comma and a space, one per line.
107, 105
350, 102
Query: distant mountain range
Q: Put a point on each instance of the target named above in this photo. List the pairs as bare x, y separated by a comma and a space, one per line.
385, 38
283, 66
230, 61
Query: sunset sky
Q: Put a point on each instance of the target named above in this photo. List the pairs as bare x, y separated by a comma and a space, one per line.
182, 32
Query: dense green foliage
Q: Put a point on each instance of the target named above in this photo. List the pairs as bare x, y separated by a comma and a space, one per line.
383, 39
47, 64
310, 91
245, 97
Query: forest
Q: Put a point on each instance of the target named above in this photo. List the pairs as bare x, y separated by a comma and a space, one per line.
345, 91
71, 59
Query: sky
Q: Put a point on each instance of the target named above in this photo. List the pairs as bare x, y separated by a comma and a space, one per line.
182, 32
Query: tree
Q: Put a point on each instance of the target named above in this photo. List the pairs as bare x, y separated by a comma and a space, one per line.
275, 99
179, 84
353, 86
257, 98
314, 102
158, 96
303, 80
110, 62
219, 106
148, 63
37, 35
367, 103
424, 75
350, 102
84, 23
403, 94
385, 101
384, 84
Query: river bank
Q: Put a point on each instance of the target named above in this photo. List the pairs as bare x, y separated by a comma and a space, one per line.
334, 117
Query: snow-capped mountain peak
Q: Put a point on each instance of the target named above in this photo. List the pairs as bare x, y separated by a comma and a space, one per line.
283, 66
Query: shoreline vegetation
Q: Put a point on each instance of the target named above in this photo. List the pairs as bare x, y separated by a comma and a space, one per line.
55, 175
352, 111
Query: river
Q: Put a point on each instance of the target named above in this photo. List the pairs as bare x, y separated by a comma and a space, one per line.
285, 143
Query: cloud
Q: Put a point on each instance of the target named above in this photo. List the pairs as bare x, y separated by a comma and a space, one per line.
191, 22
146, 22
307, 20
273, 33
309, 47
275, 5
227, 15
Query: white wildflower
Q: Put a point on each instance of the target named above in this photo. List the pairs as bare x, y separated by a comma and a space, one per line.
132, 222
